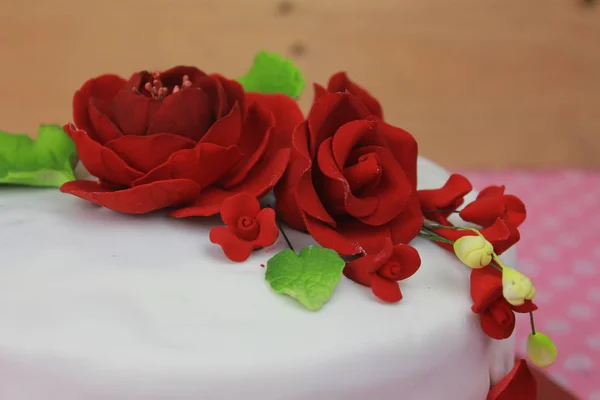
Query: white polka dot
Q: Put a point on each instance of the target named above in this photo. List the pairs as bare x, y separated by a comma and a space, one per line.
529, 268
584, 267
557, 325
551, 222
547, 252
542, 297
574, 211
560, 379
570, 241
562, 281
594, 395
593, 341
594, 294
590, 198
581, 311
596, 252
578, 362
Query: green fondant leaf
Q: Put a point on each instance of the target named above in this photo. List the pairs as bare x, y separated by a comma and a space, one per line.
47, 161
309, 277
271, 73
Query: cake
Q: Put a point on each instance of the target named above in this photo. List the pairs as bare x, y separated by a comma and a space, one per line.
184, 286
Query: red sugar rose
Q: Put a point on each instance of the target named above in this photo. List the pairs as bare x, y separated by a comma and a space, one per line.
341, 83
382, 268
519, 384
352, 177
496, 314
180, 137
248, 227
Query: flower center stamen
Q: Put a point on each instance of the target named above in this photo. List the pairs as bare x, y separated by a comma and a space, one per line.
156, 89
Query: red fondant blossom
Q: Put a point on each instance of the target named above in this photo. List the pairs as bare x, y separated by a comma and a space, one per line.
519, 384
176, 138
495, 313
497, 213
248, 227
352, 177
382, 268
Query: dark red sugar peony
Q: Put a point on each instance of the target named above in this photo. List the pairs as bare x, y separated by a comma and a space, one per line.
382, 268
496, 314
352, 177
179, 138
248, 228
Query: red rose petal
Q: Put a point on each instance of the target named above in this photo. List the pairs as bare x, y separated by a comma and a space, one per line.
174, 76
100, 161
234, 92
258, 182
448, 197
336, 190
341, 83
130, 111
138, 200
486, 287
407, 225
525, 308
330, 237
519, 384
147, 152
205, 164
491, 191
319, 91
287, 116
105, 129
225, 131
103, 89
235, 249
498, 321
385, 289
309, 201
517, 213
269, 232
329, 113
237, 206
362, 269
352, 134
253, 142
185, 113
408, 258
285, 190
403, 147
393, 190
484, 211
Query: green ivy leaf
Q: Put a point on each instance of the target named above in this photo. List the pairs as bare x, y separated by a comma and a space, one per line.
47, 161
271, 73
310, 277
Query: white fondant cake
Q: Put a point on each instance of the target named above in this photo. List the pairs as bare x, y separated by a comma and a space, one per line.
97, 305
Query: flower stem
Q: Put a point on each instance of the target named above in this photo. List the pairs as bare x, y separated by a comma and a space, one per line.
287, 240
532, 323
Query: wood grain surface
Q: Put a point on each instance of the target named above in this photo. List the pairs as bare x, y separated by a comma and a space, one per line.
480, 83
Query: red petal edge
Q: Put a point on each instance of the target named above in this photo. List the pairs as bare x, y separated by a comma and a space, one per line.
519, 384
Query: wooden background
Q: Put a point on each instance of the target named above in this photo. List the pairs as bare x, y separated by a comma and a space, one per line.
480, 83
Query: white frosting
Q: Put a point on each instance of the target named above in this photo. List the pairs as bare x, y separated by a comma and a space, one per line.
97, 305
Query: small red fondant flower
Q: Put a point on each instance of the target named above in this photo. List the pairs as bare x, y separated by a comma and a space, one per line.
499, 214
248, 227
519, 384
177, 138
438, 204
383, 268
491, 204
352, 177
495, 313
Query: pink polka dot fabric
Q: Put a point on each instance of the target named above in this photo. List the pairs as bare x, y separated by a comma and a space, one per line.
560, 251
